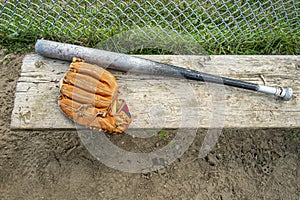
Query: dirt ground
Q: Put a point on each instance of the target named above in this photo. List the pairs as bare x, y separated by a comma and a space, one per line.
245, 164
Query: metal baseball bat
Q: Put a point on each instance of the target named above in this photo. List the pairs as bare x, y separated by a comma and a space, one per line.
124, 62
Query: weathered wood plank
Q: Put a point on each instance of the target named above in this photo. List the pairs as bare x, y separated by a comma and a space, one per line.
157, 102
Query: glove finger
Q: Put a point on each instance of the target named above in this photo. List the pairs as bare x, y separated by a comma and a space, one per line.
94, 71
85, 97
90, 84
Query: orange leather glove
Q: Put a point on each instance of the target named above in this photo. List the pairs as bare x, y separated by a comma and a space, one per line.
89, 96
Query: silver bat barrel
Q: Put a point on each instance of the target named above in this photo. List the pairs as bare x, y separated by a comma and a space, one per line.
124, 62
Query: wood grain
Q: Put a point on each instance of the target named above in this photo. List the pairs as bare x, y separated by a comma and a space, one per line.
168, 103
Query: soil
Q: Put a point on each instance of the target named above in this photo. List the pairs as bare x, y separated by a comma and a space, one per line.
245, 164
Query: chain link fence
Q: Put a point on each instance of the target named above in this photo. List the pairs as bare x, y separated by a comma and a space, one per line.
208, 22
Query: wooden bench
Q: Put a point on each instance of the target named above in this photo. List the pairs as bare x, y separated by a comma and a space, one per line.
168, 103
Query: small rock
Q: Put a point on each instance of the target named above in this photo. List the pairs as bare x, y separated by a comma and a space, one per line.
162, 171
212, 161
219, 156
147, 175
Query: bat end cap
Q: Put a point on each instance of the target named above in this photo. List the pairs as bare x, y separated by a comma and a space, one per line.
288, 94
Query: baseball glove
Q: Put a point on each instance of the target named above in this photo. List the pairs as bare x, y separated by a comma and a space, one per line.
89, 96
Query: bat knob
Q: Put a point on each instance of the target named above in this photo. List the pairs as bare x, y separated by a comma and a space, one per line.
286, 94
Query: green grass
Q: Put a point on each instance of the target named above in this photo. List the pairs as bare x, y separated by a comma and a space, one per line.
154, 27
294, 136
162, 134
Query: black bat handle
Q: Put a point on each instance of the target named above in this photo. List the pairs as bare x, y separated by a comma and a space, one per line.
200, 76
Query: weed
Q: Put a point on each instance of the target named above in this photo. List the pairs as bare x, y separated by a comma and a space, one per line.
295, 135
162, 134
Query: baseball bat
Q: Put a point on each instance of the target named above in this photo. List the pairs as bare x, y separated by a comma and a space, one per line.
124, 62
